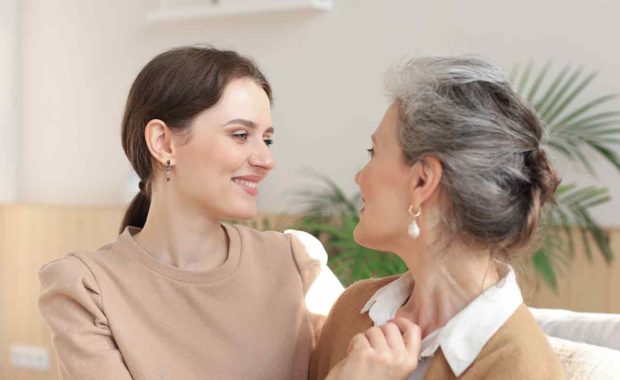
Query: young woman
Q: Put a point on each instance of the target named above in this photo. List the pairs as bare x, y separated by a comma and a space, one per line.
454, 186
179, 294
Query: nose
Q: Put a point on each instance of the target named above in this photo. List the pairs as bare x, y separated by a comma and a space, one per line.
262, 157
357, 177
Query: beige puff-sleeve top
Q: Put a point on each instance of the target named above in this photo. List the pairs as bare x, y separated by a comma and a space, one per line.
119, 314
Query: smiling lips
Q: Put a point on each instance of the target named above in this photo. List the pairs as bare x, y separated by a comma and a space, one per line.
249, 183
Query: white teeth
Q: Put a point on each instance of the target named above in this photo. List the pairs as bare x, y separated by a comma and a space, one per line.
245, 183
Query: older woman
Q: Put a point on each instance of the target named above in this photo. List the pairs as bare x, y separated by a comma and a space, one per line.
454, 186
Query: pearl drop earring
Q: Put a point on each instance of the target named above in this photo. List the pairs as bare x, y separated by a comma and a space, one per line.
414, 229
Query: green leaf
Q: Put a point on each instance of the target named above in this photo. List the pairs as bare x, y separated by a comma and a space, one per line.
556, 100
525, 76
585, 108
538, 81
588, 120
569, 98
608, 154
550, 94
544, 267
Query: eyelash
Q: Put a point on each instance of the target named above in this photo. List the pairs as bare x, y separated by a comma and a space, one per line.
371, 151
244, 136
241, 135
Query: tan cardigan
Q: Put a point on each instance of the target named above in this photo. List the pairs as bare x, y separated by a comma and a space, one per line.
119, 314
519, 349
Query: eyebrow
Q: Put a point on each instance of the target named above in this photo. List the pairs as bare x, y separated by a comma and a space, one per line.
372, 137
247, 123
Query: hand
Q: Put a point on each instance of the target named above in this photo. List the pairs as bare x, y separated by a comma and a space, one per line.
388, 352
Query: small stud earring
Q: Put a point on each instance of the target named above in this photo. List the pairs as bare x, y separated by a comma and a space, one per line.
168, 169
414, 229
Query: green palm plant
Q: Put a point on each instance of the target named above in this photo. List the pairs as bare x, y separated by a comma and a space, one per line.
574, 129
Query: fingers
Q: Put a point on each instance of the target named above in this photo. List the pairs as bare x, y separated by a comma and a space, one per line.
387, 352
393, 336
411, 335
398, 334
377, 339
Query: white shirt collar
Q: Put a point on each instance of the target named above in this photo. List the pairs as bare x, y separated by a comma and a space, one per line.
463, 336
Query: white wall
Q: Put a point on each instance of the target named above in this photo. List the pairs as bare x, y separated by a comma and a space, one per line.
9, 92
80, 57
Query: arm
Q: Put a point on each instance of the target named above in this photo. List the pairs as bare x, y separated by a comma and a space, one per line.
321, 287
71, 303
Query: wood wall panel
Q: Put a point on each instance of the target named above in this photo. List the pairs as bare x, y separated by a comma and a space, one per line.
590, 285
31, 235
613, 277
586, 283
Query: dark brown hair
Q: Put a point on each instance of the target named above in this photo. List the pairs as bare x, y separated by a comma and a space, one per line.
175, 87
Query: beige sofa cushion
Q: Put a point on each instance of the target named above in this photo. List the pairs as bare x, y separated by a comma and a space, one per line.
585, 361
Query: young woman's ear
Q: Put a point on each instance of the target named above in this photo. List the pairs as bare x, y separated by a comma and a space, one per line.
159, 141
425, 178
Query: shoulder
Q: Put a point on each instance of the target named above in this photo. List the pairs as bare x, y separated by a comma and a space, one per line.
80, 264
357, 294
305, 248
346, 314
67, 268
520, 347
67, 283
250, 236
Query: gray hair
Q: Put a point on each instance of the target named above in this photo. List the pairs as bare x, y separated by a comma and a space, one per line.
464, 112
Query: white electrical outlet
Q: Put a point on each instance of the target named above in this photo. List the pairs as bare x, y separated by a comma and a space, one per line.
32, 357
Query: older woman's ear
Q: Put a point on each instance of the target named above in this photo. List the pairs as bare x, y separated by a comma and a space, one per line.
425, 179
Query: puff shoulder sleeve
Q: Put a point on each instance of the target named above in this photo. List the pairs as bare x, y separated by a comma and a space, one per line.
72, 305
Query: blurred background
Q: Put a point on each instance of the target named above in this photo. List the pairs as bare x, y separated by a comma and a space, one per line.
66, 67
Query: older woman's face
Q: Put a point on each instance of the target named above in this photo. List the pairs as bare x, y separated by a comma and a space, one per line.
384, 184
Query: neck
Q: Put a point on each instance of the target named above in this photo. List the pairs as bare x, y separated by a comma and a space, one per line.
445, 282
183, 236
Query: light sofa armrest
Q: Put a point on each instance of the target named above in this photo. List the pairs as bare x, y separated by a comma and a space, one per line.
593, 328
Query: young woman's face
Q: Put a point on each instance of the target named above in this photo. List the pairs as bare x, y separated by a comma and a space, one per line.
220, 166
384, 184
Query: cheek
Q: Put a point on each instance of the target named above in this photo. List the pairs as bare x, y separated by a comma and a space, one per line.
384, 188
385, 215
204, 160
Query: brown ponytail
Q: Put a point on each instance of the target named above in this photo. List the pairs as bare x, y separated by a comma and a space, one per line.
137, 212
174, 87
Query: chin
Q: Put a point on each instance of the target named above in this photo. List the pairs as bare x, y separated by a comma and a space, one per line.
361, 237
373, 237
242, 212
242, 215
